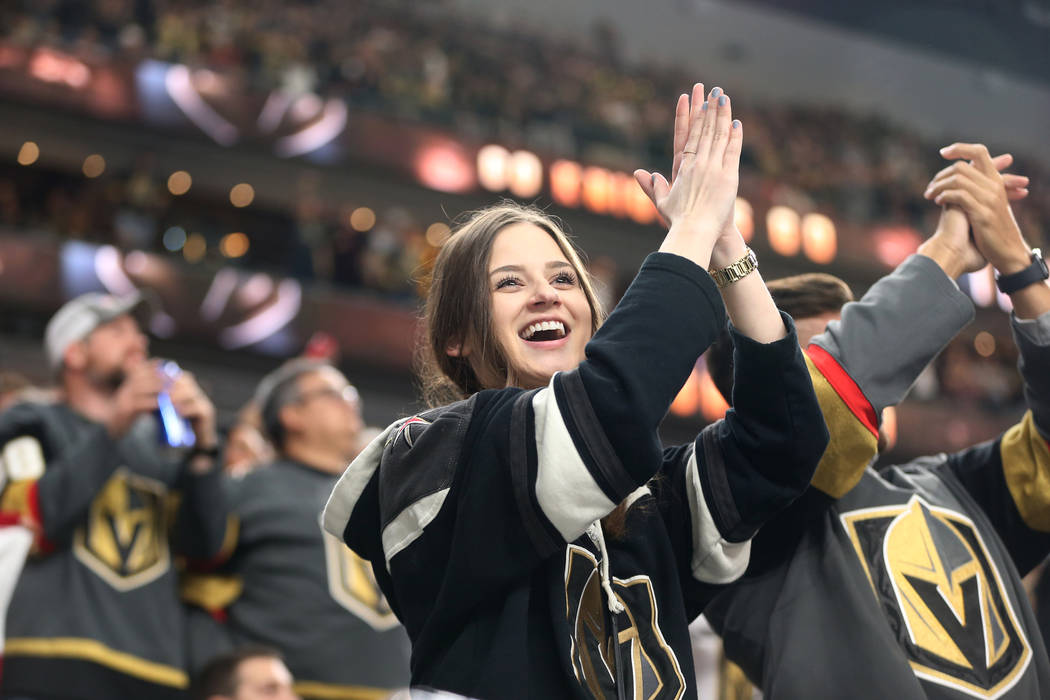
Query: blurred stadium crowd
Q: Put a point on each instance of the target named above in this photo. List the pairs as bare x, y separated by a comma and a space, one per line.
415, 63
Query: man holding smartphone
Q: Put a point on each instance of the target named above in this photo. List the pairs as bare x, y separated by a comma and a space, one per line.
95, 613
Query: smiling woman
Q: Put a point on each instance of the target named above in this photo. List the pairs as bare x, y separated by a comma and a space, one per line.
488, 519
508, 268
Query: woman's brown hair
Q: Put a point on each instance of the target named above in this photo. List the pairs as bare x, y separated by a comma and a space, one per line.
458, 310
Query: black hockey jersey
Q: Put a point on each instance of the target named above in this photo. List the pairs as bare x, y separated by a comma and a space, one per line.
481, 518
96, 614
903, 584
292, 586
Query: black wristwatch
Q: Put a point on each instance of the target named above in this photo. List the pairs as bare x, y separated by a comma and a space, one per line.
1036, 272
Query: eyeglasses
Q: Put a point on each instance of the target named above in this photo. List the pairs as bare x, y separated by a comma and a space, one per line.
348, 394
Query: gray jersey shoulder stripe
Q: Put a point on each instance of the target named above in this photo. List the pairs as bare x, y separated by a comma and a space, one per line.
723, 506
352, 483
593, 435
410, 523
519, 468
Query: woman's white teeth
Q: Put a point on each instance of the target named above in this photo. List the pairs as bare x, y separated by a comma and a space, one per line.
535, 328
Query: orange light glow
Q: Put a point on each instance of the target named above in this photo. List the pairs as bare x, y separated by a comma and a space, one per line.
525, 174
687, 403
597, 188
566, 180
639, 207
712, 406
782, 225
895, 243
492, 167
179, 182
819, 241
445, 167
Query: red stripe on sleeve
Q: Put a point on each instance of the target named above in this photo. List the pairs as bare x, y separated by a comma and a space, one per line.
845, 387
46, 546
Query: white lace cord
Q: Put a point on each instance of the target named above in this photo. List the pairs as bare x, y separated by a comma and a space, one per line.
598, 537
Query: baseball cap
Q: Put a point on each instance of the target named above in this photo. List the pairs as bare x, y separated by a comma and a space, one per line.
81, 315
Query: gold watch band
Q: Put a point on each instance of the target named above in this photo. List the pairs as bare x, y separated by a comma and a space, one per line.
736, 271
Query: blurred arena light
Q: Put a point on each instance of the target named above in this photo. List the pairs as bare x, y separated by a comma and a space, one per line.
195, 248
234, 245
136, 263
28, 153
492, 167
782, 226
566, 178
94, 165
55, 67
178, 81
362, 219
109, 268
621, 191
639, 206
174, 238
443, 166
895, 243
179, 182
744, 218
218, 294
437, 234
242, 194
818, 238
255, 290
596, 189
687, 402
984, 344
524, 174
320, 131
712, 405
271, 318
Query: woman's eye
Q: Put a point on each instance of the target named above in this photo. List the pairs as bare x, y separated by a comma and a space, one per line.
507, 282
565, 278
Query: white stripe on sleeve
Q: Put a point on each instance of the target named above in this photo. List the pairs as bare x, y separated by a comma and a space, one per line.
352, 483
567, 493
714, 559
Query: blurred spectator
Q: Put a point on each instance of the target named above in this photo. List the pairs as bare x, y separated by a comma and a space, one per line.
290, 585
12, 386
95, 613
247, 673
246, 447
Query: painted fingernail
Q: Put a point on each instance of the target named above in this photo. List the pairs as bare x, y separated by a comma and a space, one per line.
736, 123
703, 107
722, 101
716, 92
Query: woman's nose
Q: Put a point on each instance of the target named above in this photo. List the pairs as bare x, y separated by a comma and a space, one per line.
546, 294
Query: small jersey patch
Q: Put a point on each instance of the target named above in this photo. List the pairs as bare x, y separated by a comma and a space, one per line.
22, 459
406, 428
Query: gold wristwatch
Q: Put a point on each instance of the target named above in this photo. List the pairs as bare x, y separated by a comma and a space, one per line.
738, 270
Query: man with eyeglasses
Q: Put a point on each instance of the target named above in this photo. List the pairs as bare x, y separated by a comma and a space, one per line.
288, 584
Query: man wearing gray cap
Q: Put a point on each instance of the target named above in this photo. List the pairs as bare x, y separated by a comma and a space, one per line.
291, 585
95, 614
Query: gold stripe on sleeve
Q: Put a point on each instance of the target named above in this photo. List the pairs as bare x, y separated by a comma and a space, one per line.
312, 690
210, 591
1026, 468
91, 650
851, 446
